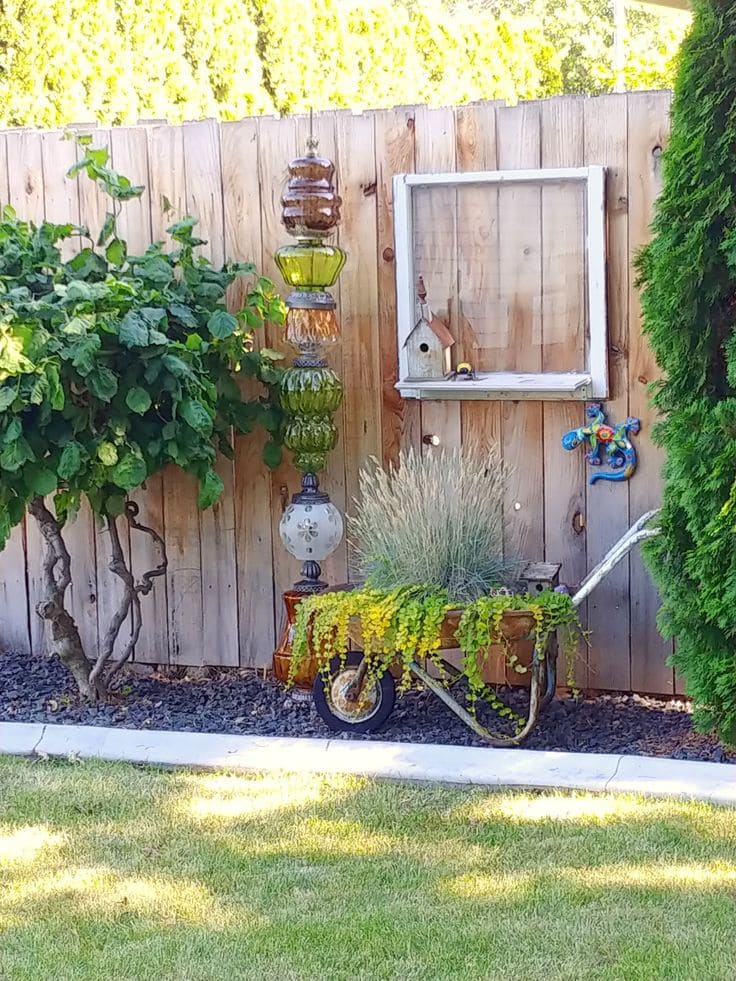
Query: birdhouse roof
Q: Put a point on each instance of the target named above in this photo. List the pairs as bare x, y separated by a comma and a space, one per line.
442, 332
439, 327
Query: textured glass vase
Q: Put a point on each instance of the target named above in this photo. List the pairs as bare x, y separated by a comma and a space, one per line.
310, 439
310, 391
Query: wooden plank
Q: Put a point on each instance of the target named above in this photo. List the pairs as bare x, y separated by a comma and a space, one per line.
25, 194
478, 255
332, 479
61, 204
607, 504
563, 332
14, 625
216, 524
129, 147
435, 249
252, 481
647, 133
361, 362
518, 135
181, 523
277, 145
394, 154
477, 258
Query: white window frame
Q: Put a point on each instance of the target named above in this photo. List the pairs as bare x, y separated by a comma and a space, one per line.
592, 382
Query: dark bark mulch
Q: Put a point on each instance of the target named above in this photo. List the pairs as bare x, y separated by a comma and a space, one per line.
38, 689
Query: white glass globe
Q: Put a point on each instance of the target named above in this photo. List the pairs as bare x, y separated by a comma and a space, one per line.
311, 531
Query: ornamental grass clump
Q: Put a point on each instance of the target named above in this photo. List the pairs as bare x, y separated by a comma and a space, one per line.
688, 272
434, 520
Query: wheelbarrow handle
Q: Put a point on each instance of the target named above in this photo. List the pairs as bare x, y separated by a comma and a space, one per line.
637, 533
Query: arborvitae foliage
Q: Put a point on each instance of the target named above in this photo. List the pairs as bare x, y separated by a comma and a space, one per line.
689, 301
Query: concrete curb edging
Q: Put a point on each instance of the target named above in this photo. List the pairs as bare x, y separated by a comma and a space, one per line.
498, 768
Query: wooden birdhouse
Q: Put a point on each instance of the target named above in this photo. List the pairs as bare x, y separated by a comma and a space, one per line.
428, 345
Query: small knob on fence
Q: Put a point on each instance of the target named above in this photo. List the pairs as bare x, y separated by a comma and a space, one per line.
431, 440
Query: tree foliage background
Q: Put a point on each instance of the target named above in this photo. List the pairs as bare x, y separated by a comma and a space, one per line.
688, 272
117, 61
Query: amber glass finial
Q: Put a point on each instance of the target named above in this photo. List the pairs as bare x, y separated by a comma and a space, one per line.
311, 206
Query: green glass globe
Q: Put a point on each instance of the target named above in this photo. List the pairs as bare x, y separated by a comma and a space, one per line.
310, 265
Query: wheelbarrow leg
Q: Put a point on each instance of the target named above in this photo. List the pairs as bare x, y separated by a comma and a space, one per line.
496, 740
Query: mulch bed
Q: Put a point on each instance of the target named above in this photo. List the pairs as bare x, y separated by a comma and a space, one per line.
37, 689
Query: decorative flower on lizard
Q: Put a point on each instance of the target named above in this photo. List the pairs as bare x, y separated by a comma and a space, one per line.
609, 445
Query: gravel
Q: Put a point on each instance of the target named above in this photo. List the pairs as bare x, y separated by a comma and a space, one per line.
37, 689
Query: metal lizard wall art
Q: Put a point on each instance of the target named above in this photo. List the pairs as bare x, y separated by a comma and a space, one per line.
608, 444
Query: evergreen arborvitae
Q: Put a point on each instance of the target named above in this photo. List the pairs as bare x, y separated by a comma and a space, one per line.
688, 273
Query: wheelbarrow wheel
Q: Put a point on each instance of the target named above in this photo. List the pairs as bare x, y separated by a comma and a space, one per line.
365, 714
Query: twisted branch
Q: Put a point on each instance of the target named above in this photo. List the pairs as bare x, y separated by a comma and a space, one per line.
132, 591
56, 579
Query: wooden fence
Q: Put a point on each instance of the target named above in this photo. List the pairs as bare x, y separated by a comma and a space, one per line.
220, 603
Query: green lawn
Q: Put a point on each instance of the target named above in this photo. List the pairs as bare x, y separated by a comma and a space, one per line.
114, 872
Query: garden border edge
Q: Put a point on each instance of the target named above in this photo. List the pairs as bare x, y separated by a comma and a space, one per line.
467, 765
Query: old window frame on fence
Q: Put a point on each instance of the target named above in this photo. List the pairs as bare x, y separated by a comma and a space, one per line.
592, 382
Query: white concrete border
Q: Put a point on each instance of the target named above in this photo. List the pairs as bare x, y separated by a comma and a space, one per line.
498, 768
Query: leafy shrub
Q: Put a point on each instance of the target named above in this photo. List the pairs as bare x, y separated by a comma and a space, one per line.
434, 520
111, 367
688, 272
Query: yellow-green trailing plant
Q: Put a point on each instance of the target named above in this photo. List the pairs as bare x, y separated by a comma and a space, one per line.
404, 625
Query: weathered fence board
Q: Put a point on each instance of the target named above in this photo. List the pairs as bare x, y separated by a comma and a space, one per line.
220, 602
647, 128
607, 514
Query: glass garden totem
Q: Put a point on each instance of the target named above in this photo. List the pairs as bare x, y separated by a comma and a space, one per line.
311, 527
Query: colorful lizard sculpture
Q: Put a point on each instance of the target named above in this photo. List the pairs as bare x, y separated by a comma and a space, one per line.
620, 454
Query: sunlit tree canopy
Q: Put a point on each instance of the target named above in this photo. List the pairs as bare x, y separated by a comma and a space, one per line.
116, 61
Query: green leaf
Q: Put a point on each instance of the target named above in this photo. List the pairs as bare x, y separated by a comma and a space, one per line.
55, 390
87, 263
130, 471
13, 431
182, 230
39, 390
272, 454
108, 227
71, 460
43, 482
16, 454
115, 252
114, 504
138, 400
7, 396
133, 330
107, 453
175, 366
210, 489
222, 324
156, 270
270, 355
184, 314
84, 351
197, 416
269, 419
102, 383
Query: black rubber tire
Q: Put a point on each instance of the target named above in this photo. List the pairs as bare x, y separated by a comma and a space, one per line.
323, 702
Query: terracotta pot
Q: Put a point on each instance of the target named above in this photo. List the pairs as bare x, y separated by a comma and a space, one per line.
517, 627
282, 655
